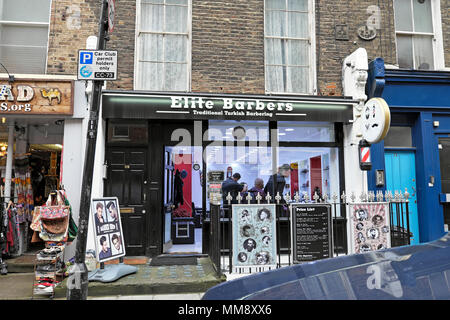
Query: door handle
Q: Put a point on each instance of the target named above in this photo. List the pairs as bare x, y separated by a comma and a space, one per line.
414, 193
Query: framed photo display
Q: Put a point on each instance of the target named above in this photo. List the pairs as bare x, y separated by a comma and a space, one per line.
254, 237
369, 226
109, 242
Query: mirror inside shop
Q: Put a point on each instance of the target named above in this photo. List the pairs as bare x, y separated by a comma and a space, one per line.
310, 170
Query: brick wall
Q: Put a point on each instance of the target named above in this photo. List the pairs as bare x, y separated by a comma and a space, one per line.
73, 21
331, 52
228, 46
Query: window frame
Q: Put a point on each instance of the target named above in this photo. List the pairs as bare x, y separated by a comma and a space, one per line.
137, 46
312, 77
436, 36
34, 24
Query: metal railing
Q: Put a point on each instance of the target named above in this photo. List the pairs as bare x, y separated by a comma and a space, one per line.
221, 237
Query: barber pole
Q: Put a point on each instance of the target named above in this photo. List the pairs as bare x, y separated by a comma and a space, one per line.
364, 155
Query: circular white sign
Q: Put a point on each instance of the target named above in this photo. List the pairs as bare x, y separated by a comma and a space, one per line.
376, 120
111, 12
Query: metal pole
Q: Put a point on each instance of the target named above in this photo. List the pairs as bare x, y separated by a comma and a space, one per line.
9, 160
77, 285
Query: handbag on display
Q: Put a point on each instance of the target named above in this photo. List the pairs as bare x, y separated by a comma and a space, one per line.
36, 222
54, 219
58, 211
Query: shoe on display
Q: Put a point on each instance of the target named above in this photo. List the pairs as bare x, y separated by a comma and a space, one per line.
46, 267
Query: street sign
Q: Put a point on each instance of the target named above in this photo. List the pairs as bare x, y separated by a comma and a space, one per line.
111, 12
97, 65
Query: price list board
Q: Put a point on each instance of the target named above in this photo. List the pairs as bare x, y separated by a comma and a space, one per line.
311, 232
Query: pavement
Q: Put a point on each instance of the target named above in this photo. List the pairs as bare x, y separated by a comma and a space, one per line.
167, 282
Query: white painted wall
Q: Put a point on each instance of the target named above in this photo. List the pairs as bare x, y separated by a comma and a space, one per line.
354, 78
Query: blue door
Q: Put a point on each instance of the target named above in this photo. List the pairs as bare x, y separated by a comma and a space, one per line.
401, 174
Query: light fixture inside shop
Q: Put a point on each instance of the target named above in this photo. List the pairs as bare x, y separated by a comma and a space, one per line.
288, 129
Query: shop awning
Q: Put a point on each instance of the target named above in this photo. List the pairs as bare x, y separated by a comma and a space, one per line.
204, 106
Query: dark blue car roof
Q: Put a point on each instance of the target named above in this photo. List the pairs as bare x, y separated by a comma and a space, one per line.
408, 272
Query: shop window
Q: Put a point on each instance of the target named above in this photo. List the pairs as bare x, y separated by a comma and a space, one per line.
229, 130
163, 45
24, 29
136, 133
398, 137
305, 131
288, 46
313, 170
418, 34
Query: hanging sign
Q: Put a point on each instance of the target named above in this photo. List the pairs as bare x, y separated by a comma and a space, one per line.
311, 232
376, 120
254, 237
109, 242
369, 226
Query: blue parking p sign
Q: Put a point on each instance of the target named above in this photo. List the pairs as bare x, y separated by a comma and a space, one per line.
97, 65
86, 57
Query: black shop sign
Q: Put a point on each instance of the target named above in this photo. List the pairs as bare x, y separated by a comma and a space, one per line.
311, 232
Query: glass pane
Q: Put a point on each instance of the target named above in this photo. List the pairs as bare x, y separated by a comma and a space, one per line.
23, 59
275, 50
298, 25
423, 53
398, 137
404, 52
150, 76
301, 5
298, 53
25, 10
305, 131
298, 80
175, 77
250, 162
223, 130
152, 17
183, 2
312, 170
24, 35
275, 23
176, 19
403, 15
175, 48
151, 47
127, 132
422, 16
275, 78
276, 4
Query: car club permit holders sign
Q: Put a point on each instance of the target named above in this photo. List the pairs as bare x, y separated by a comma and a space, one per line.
311, 232
109, 241
369, 226
254, 237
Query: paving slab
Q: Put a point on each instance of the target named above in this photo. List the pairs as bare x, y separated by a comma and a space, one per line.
156, 280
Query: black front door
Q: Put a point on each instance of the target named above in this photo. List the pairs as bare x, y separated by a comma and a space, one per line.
127, 172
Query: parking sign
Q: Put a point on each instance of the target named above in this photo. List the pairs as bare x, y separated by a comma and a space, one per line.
97, 65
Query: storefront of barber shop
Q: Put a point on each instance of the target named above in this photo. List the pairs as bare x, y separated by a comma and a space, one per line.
166, 153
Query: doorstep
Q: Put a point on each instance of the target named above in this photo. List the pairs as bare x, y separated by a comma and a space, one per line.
152, 280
